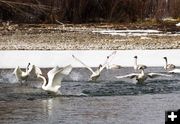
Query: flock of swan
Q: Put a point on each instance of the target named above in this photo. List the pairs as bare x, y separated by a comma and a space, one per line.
56, 75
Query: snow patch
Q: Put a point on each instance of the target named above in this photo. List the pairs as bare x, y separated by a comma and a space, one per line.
178, 24
147, 32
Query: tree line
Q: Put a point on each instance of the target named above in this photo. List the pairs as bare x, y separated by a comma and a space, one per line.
85, 11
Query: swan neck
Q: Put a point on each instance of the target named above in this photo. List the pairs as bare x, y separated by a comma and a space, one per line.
44, 80
18, 71
142, 71
166, 62
135, 61
27, 68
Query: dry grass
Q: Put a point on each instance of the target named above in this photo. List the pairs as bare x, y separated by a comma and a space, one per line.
55, 37
82, 11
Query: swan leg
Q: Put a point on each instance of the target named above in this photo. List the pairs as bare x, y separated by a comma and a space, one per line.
20, 81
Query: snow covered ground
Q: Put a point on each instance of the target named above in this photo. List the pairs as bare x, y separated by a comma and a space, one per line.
147, 32
11, 59
178, 24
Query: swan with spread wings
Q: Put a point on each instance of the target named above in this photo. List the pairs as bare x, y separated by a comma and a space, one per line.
142, 76
55, 77
22, 76
96, 74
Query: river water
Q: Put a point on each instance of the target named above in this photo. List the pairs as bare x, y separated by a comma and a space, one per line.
108, 100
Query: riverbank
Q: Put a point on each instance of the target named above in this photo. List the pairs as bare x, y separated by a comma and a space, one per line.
82, 37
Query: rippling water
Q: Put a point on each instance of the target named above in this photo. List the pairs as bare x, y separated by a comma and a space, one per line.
107, 100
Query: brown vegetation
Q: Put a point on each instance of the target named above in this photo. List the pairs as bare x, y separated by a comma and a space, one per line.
82, 11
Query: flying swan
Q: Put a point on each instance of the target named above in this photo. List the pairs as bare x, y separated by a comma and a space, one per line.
23, 75
167, 66
55, 76
138, 66
141, 77
112, 66
96, 74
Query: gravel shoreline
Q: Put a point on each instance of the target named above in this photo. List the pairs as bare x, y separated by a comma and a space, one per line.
58, 37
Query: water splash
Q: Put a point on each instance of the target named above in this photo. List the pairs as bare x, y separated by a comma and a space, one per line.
76, 76
7, 77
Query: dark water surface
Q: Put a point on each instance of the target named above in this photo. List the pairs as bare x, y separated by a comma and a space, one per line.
107, 100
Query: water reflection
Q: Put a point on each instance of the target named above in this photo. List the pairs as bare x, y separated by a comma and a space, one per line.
117, 109
47, 105
104, 109
109, 100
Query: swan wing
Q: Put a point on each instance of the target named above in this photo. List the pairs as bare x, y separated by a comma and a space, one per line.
141, 66
111, 56
38, 70
24, 74
16, 69
59, 75
133, 75
170, 66
34, 70
66, 70
107, 61
174, 71
153, 75
113, 66
83, 63
20, 74
52, 72
31, 68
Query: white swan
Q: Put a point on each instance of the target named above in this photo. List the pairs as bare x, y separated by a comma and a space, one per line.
23, 76
55, 76
112, 66
95, 74
176, 70
20, 75
167, 66
178, 24
138, 66
141, 77
34, 71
